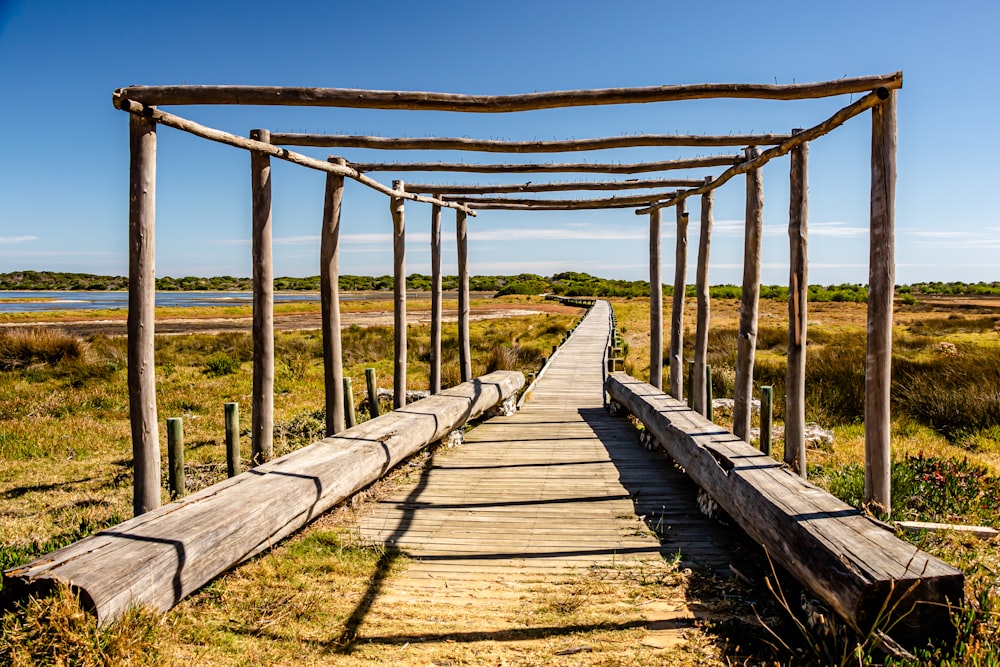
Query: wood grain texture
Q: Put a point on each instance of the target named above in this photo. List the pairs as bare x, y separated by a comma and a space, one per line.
434, 101
655, 301
399, 296
464, 339
749, 302
262, 416
579, 167
556, 186
141, 315
850, 563
677, 308
436, 300
164, 555
704, 305
329, 289
798, 309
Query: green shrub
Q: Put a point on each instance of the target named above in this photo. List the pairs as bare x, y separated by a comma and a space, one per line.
21, 348
220, 364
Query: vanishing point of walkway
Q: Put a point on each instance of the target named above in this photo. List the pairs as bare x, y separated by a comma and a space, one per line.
552, 494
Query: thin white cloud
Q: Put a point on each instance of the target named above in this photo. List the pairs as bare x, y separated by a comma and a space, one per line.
940, 235
17, 239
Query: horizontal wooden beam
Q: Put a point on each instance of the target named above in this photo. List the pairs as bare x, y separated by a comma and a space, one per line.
519, 203
587, 167
497, 188
428, 101
491, 146
861, 571
160, 557
836, 120
212, 134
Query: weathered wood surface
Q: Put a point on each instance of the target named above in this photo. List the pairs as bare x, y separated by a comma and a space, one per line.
329, 289
749, 302
704, 306
581, 167
141, 315
557, 486
436, 300
262, 414
833, 122
559, 204
212, 134
558, 186
433, 101
496, 146
464, 339
850, 563
881, 287
655, 301
160, 557
798, 309
399, 296
677, 307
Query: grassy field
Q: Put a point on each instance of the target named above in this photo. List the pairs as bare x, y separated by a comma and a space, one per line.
65, 472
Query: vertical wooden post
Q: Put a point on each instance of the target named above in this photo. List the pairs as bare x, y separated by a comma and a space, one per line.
263, 306
798, 302
329, 288
175, 457
704, 305
881, 283
464, 344
435, 299
747, 341
373, 407
349, 414
766, 415
708, 392
399, 296
232, 439
677, 309
141, 320
655, 302
690, 382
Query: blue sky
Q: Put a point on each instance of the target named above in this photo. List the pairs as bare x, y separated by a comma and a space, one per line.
64, 176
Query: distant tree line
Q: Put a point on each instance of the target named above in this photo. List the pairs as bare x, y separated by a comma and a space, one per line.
568, 283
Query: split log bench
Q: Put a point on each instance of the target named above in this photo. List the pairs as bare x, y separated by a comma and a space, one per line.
852, 564
159, 557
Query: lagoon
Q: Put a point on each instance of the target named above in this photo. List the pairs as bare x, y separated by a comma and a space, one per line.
41, 301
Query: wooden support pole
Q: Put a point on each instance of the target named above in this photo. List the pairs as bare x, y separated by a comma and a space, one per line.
677, 309
704, 302
798, 306
881, 283
329, 288
708, 393
175, 458
436, 299
232, 413
464, 343
750, 302
262, 430
399, 297
766, 415
689, 378
349, 415
141, 319
655, 302
373, 406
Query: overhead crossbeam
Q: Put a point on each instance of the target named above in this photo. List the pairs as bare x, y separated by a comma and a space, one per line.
584, 167
836, 120
426, 101
497, 188
212, 134
493, 146
518, 203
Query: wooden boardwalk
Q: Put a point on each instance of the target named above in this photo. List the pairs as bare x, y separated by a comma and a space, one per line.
535, 497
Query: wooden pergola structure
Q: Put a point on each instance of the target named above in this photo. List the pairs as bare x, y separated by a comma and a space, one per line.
878, 94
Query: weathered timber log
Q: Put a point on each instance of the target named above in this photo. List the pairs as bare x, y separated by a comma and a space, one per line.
141, 319
164, 555
399, 296
559, 206
677, 308
582, 167
850, 563
475, 202
836, 120
881, 284
433, 101
749, 302
565, 186
329, 288
798, 302
704, 305
655, 301
495, 146
262, 417
212, 134
436, 300
464, 340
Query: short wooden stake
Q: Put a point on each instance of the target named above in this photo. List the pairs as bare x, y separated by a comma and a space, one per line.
373, 408
708, 392
766, 414
349, 415
232, 439
175, 457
